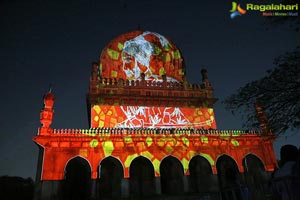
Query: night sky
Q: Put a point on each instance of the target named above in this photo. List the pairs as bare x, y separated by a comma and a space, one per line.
55, 42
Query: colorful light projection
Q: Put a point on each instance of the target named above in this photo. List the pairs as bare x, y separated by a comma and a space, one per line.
138, 52
167, 143
151, 117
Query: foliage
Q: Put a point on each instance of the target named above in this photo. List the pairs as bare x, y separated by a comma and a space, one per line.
278, 92
15, 188
293, 22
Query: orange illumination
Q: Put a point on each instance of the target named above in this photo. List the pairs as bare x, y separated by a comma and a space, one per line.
151, 117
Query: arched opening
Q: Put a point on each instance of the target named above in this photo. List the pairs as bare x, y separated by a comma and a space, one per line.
171, 173
111, 174
229, 178
77, 183
200, 175
255, 176
141, 177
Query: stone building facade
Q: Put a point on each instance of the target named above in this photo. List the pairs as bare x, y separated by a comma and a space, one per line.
152, 134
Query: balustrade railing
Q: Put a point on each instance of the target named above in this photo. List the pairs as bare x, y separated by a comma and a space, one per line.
154, 131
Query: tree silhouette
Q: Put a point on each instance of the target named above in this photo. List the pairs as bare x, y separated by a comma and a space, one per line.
14, 188
278, 92
292, 21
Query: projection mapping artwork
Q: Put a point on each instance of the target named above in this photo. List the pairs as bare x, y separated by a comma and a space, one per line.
139, 52
151, 117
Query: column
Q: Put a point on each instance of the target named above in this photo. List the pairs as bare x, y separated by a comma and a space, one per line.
125, 187
157, 185
185, 184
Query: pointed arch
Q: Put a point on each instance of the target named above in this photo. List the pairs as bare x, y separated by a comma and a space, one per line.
110, 175
77, 157
142, 176
227, 170
255, 175
171, 172
229, 177
253, 162
77, 183
200, 174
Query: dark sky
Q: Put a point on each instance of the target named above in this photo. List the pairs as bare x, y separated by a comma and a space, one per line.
43, 42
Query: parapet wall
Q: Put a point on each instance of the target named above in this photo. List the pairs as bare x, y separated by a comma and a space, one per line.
94, 145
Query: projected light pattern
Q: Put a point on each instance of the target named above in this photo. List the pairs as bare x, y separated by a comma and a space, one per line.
138, 52
155, 147
151, 117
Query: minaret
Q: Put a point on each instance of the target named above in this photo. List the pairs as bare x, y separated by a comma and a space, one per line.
262, 118
46, 114
94, 77
205, 81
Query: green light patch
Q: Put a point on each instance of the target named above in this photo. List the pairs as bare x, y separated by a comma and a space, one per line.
108, 147
120, 46
185, 141
208, 157
157, 50
168, 47
185, 164
147, 154
235, 143
129, 159
156, 164
149, 141
162, 71
113, 54
127, 139
176, 54
94, 143
100, 68
204, 139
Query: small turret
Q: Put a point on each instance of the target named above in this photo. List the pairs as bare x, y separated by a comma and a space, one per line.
49, 100
94, 77
46, 114
262, 118
94, 70
205, 81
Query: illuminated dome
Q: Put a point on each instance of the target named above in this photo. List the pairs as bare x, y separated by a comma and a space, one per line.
131, 54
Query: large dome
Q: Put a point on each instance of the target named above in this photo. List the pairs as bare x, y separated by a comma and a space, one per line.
131, 54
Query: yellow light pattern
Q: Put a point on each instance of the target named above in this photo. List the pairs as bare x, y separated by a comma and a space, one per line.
129, 159
97, 108
185, 141
156, 164
108, 147
113, 54
191, 154
120, 46
147, 154
169, 149
235, 143
127, 139
149, 141
176, 54
185, 164
209, 158
204, 139
94, 143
